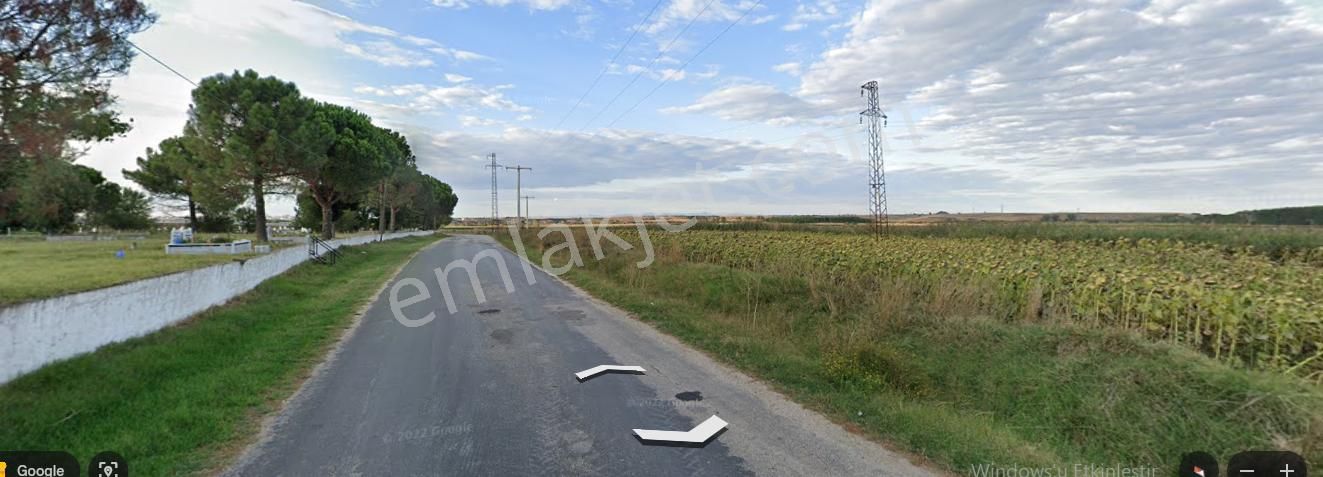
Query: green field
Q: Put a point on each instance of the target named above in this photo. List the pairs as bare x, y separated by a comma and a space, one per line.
183, 399
40, 269
954, 349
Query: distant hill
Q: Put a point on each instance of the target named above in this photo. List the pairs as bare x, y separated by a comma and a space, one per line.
1312, 215
818, 219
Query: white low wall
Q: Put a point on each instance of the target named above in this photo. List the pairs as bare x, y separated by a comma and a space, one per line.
230, 248
36, 333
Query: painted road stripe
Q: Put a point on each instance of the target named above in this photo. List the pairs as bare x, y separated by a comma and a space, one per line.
588, 373
698, 435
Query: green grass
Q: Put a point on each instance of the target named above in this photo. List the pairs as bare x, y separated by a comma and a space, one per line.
932, 376
180, 399
40, 269
44, 269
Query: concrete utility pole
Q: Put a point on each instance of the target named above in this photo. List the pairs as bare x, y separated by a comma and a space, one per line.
877, 176
496, 216
519, 215
527, 210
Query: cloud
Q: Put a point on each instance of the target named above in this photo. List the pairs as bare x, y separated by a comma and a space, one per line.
474, 121
755, 102
668, 74
680, 12
1096, 104
463, 96
356, 4
791, 68
584, 17
317, 27
461, 55
634, 171
712, 72
371, 90
291, 40
820, 11
386, 53
1091, 93
531, 4
397, 90
806, 13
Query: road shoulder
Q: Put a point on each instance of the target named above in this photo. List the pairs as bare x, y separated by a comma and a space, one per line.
758, 413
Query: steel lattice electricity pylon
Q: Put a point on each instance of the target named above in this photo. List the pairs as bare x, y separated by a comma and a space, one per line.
496, 215
877, 175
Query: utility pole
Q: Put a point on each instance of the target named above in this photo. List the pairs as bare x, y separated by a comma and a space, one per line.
528, 212
496, 216
519, 215
877, 176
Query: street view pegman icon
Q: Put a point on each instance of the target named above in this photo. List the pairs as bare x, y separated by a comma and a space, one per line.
1198, 464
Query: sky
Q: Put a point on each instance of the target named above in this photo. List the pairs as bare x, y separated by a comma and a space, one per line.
752, 107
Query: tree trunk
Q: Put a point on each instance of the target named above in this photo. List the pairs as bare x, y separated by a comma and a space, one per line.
328, 226
392, 218
259, 208
192, 214
381, 211
8, 101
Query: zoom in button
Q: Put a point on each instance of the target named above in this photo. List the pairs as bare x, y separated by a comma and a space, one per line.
1267, 464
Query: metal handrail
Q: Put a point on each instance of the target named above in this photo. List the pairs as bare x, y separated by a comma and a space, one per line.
314, 250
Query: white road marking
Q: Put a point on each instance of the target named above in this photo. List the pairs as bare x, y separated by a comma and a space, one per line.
588, 373
698, 435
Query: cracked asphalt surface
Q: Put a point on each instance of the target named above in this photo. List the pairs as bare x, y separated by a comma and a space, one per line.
490, 390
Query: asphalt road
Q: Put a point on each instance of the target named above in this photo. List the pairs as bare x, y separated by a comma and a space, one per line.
490, 390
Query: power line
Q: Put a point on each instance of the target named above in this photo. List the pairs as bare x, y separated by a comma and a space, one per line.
159, 62
610, 64
1074, 92
1063, 75
195, 85
272, 132
1067, 74
650, 64
686, 63
1045, 116
1054, 115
